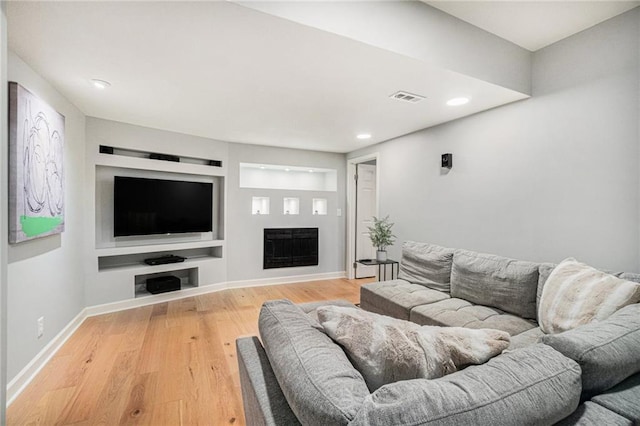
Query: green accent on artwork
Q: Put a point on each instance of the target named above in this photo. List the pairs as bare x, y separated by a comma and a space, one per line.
33, 226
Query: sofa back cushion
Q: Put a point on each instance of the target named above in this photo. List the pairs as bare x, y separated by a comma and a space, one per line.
318, 381
544, 270
500, 282
576, 294
513, 389
607, 351
426, 264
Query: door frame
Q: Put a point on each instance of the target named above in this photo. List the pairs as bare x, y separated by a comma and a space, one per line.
351, 205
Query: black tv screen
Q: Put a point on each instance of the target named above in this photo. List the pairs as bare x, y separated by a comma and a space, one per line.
157, 206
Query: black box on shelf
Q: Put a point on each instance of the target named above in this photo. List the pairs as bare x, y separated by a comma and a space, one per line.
104, 149
163, 284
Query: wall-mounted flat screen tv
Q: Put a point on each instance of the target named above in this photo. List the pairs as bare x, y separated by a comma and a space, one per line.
157, 206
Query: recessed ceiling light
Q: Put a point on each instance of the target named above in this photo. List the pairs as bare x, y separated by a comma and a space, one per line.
457, 101
286, 170
100, 84
262, 167
364, 136
310, 170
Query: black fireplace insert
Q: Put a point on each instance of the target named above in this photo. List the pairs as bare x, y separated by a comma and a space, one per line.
287, 247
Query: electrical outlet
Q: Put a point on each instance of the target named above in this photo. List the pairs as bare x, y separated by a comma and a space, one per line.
40, 327
339, 212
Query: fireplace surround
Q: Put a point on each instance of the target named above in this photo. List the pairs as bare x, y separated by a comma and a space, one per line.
289, 247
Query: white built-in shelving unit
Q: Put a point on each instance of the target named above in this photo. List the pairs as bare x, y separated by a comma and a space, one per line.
121, 270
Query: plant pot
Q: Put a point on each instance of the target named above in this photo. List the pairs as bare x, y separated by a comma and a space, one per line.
381, 255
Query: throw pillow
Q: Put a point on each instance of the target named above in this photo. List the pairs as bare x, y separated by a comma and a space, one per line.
386, 350
576, 294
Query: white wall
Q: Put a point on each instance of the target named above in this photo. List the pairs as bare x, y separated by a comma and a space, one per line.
543, 179
45, 275
245, 231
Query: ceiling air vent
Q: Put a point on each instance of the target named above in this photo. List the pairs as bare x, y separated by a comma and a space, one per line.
407, 97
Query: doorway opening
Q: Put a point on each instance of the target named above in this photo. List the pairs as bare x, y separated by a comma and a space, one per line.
362, 202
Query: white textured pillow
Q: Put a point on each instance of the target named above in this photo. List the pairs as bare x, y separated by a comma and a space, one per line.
577, 294
387, 350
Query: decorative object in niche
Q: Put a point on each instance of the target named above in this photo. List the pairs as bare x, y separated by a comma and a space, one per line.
381, 236
36, 173
260, 205
291, 206
319, 206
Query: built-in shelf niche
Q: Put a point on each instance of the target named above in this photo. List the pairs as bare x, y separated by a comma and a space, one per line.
269, 176
319, 206
188, 279
260, 205
104, 202
291, 206
136, 260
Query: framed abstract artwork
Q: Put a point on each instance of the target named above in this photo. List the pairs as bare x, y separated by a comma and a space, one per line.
36, 172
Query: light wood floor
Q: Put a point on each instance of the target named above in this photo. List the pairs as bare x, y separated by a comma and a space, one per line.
172, 363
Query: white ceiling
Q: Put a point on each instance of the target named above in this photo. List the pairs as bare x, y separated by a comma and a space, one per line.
223, 71
533, 24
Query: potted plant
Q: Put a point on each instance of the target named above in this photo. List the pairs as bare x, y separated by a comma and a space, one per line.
381, 236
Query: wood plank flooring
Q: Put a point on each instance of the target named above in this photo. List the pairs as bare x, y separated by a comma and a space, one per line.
173, 363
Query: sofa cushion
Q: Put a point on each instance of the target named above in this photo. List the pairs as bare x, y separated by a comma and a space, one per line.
576, 294
318, 381
592, 414
628, 276
426, 264
624, 398
496, 281
311, 308
607, 351
527, 338
397, 297
386, 349
544, 270
460, 313
511, 389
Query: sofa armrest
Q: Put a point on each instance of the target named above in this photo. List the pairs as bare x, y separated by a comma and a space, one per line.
262, 398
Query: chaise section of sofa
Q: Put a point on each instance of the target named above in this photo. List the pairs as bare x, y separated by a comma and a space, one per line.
397, 298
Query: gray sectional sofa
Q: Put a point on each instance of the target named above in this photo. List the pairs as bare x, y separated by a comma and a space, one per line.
589, 375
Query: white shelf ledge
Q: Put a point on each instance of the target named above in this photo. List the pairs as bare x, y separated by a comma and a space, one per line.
165, 166
152, 248
142, 268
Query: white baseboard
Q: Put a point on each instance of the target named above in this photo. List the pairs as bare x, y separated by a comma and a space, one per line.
24, 377
286, 280
190, 292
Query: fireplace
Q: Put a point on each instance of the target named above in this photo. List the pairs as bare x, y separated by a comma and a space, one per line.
287, 247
